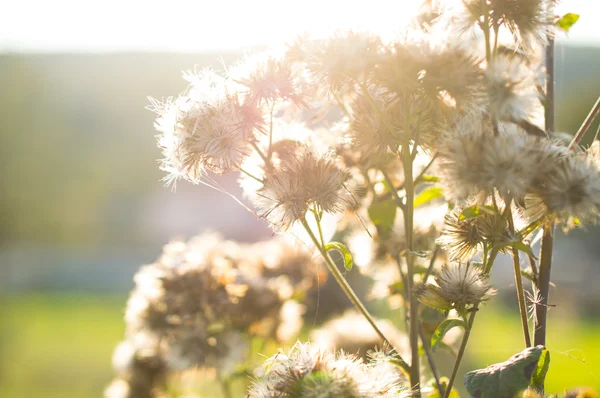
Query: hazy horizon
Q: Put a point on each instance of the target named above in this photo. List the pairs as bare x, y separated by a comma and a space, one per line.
186, 26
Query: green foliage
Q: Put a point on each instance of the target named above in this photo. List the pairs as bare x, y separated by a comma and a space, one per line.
340, 247
504, 380
444, 328
567, 21
539, 374
475, 211
383, 213
427, 195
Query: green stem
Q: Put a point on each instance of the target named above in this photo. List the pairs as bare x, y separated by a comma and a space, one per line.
461, 351
519, 284
393, 190
410, 265
429, 355
250, 175
347, 289
521, 297
587, 123
225, 387
539, 336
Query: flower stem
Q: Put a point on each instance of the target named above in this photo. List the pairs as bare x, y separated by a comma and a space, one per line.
413, 330
547, 245
339, 278
461, 351
586, 124
521, 297
543, 284
432, 366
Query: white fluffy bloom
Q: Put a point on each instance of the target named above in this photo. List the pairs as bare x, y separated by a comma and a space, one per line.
308, 372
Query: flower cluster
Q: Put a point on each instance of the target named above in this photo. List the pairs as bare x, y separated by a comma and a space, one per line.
308, 372
202, 300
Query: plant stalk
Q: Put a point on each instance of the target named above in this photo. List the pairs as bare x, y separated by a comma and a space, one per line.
521, 297
429, 356
339, 278
539, 336
586, 124
461, 351
413, 329
547, 245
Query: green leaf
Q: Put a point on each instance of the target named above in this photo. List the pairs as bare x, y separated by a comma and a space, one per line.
475, 211
539, 374
396, 288
420, 254
427, 178
382, 214
427, 195
340, 247
567, 21
443, 328
506, 379
522, 247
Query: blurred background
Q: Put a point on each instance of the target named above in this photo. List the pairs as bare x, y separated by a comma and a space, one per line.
81, 201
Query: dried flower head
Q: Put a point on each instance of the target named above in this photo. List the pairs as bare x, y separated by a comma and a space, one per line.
269, 78
202, 298
530, 21
308, 182
456, 286
475, 160
512, 91
336, 64
570, 189
200, 132
310, 373
140, 372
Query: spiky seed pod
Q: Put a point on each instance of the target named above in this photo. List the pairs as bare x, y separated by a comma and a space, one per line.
476, 160
202, 131
269, 78
457, 285
338, 63
530, 21
570, 189
511, 89
308, 181
310, 373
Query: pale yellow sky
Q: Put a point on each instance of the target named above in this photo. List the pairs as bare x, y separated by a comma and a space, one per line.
201, 25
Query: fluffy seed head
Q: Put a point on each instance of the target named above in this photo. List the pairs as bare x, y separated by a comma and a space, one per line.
456, 286
309, 181
308, 372
570, 189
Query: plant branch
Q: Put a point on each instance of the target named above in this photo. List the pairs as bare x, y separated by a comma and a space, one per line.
408, 210
461, 351
587, 123
429, 355
547, 245
544, 283
521, 298
337, 275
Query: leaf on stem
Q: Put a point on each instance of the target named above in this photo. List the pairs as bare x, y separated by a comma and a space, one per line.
382, 214
475, 211
567, 21
444, 328
427, 195
340, 247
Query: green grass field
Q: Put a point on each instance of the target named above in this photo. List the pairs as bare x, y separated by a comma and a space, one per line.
59, 346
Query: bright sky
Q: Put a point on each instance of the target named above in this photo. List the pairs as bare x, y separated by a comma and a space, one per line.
201, 25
